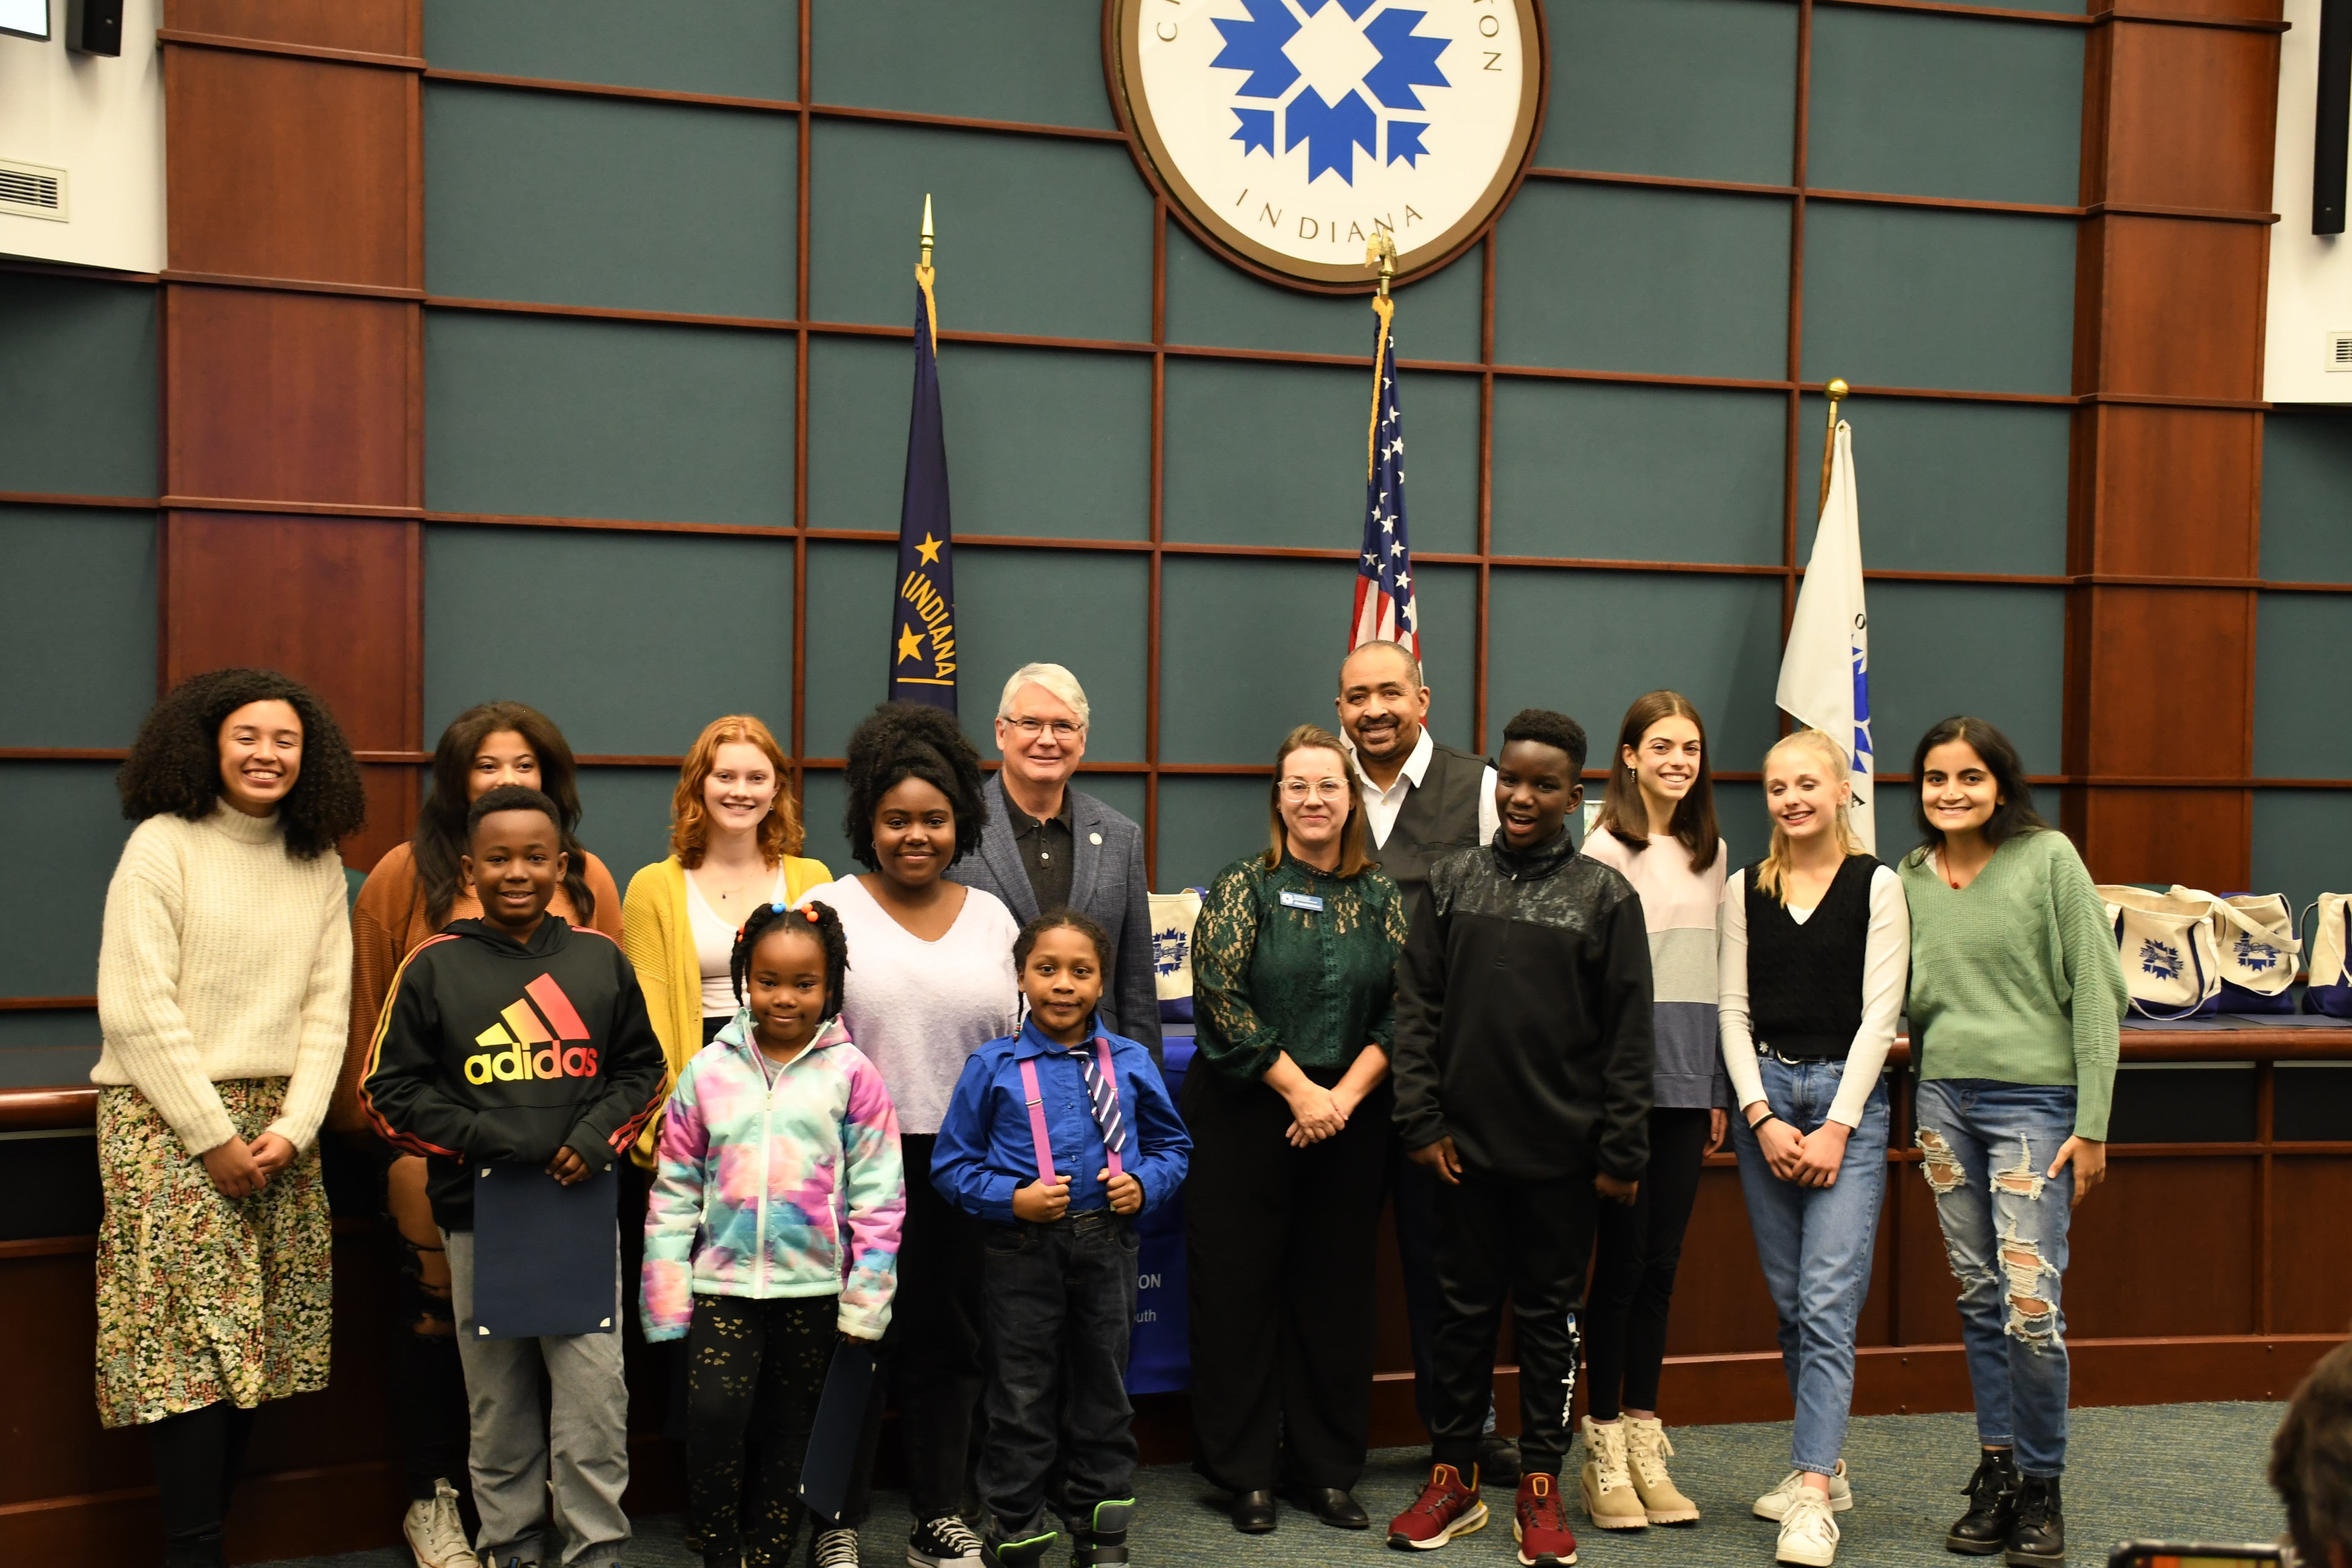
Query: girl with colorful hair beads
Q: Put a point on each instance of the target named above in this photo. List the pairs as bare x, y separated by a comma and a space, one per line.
774, 1221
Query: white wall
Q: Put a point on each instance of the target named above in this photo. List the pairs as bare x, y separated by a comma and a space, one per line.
2311, 275
102, 122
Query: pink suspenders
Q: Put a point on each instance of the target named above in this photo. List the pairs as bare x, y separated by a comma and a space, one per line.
1037, 1132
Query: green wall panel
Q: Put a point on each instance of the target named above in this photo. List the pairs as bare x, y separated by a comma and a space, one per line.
1036, 235
1599, 471
1945, 106
630, 642
1086, 610
849, 641
38, 1050
560, 416
1947, 486
1211, 302
2307, 474
823, 797
78, 615
1273, 454
1588, 643
742, 48
2299, 647
2303, 843
624, 817
1041, 443
2012, 672
1702, 89
1207, 824
1630, 278
524, 199
1449, 651
77, 386
1902, 296
1745, 826
64, 833
1040, 61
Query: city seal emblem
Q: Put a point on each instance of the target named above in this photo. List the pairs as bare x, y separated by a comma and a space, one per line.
1287, 132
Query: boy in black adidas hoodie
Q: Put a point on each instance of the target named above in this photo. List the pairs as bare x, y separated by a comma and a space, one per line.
1522, 1064
517, 1039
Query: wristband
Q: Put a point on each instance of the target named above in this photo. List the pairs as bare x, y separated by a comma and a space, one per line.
1758, 1125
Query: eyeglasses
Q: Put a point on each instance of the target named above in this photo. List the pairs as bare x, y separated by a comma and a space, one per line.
1323, 789
1062, 729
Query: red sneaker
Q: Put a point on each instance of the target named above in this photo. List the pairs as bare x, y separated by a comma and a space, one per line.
1445, 1508
1540, 1526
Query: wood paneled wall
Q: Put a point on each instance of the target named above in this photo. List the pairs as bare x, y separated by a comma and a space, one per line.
2178, 112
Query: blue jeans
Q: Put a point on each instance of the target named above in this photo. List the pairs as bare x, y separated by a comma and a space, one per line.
1987, 1145
1816, 1245
1060, 1300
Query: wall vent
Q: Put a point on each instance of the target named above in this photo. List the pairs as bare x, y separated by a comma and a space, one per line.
33, 190
2339, 350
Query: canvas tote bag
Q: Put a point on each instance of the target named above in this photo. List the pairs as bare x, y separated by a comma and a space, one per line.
2330, 991
1172, 915
2257, 949
2170, 958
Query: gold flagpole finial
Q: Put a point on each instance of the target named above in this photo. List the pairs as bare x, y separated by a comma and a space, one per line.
929, 237
1382, 252
1837, 392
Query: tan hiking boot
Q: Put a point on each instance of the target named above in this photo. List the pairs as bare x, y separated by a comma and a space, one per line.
1609, 1499
1646, 1452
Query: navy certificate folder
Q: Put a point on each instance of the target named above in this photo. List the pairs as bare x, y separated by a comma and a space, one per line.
840, 1421
547, 1258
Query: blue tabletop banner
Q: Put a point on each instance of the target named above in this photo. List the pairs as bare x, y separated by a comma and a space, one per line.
1159, 1349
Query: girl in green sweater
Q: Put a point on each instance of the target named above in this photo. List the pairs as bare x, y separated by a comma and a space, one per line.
2015, 992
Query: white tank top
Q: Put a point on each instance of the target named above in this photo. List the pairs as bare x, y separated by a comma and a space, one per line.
714, 946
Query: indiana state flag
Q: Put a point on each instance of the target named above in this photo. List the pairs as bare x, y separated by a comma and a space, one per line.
922, 606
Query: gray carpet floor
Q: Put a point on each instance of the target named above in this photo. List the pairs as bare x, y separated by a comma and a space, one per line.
2169, 1470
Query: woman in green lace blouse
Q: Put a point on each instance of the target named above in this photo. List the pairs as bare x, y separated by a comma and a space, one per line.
1294, 996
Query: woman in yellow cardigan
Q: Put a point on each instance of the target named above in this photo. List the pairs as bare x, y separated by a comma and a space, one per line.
732, 836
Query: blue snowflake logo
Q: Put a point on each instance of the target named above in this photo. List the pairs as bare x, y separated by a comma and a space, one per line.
1170, 950
1353, 65
2159, 959
2254, 955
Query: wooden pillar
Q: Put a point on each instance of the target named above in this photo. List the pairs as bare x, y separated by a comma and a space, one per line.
2164, 515
293, 350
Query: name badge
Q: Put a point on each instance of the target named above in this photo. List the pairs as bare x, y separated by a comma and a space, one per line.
1302, 901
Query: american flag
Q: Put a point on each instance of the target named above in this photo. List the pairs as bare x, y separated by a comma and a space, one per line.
1385, 607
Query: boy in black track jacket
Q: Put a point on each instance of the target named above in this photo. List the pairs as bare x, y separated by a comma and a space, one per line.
517, 1039
1522, 1065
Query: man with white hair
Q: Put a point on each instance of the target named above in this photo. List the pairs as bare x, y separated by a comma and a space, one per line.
1049, 846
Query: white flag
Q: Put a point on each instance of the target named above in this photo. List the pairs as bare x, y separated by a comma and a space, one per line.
1825, 668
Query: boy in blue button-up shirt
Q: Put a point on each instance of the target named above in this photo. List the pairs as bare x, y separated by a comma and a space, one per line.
1056, 1139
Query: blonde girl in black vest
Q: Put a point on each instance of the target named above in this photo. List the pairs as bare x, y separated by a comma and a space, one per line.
1814, 948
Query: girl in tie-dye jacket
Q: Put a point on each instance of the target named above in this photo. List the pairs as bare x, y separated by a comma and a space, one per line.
774, 1220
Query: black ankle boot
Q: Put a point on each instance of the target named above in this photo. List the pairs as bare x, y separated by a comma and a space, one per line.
2038, 1540
1101, 1541
1992, 1507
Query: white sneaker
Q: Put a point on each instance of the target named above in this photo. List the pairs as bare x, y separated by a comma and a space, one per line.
1774, 1505
834, 1549
1808, 1535
435, 1532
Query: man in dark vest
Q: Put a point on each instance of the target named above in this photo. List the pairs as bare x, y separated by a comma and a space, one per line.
1422, 802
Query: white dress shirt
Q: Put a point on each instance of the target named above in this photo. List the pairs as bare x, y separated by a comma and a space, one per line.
1381, 806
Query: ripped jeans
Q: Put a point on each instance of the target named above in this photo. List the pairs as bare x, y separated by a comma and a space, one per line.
1987, 1147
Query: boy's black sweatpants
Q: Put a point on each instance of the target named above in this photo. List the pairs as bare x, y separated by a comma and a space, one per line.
756, 1370
1529, 1241
1060, 1297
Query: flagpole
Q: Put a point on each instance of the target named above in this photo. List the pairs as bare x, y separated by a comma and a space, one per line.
924, 275
1837, 390
1382, 250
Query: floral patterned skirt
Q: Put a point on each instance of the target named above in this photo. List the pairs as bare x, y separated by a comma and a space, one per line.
203, 1297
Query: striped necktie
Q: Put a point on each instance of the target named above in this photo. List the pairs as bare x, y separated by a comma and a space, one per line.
1105, 1102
